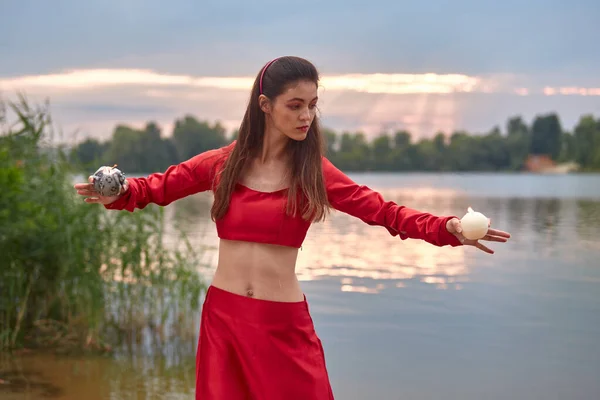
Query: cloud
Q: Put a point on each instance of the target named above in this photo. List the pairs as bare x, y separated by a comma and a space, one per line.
93, 101
366, 83
86, 79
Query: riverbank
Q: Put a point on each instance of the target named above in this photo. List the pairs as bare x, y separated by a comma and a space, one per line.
75, 277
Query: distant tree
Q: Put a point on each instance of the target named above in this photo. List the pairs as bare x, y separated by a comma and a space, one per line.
546, 136
587, 142
518, 142
382, 153
192, 137
89, 153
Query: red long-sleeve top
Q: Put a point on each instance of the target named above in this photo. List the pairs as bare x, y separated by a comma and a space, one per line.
260, 216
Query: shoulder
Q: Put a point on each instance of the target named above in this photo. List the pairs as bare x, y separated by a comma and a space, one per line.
221, 152
330, 171
326, 164
335, 180
212, 158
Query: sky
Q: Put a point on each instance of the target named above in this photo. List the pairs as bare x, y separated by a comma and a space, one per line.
423, 66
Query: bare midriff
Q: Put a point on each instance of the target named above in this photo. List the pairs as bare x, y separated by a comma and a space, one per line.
257, 270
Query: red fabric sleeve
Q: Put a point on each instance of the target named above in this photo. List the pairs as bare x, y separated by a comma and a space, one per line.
189, 177
368, 205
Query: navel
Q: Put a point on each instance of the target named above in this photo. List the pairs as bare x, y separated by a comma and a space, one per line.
249, 292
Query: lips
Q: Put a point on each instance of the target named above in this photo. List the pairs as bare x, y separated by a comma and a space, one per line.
303, 128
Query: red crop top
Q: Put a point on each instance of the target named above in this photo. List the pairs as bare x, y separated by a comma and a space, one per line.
260, 216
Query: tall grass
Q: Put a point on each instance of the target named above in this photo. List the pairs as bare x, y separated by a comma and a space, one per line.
74, 275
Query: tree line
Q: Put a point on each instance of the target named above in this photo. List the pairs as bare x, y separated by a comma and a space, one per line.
148, 150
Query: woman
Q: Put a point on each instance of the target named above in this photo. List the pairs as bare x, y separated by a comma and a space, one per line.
257, 339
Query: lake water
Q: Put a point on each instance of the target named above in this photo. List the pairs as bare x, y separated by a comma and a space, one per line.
405, 319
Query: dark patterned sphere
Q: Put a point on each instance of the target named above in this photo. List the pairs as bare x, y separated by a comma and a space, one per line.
108, 181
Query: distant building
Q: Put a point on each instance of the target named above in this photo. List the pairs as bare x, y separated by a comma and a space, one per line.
539, 163
542, 163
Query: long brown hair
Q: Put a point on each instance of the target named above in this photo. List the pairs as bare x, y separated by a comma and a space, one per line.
307, 192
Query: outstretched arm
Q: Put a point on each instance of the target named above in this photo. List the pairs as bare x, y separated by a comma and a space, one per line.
368, 205
189, 177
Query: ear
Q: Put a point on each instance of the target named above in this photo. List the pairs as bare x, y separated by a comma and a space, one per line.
264, 103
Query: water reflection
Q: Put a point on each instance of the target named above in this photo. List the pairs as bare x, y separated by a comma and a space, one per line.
588, 222
191, 215
517, 215
345, 247
192, 208
45, 376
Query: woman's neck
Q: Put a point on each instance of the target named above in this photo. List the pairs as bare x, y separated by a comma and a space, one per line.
274, 146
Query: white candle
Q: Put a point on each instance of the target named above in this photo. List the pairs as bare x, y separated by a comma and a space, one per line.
474, 225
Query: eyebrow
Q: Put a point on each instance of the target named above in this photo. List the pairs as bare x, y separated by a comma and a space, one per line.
302, 100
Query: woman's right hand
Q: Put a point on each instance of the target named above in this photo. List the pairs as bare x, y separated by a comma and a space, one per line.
92, 196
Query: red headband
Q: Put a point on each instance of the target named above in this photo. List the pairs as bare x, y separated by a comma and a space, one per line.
263, 73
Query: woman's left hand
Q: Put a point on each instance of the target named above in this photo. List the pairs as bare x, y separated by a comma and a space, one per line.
493, 235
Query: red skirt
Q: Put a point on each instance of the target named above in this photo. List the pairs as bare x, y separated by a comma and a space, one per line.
258, 349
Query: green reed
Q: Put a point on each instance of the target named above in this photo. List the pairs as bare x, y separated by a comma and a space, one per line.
73, 275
